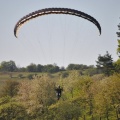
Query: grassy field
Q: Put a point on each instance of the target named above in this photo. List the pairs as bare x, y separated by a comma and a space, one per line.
4, 76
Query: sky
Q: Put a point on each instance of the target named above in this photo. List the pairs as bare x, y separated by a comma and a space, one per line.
59, 39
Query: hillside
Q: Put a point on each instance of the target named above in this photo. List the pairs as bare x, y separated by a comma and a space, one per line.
83, 98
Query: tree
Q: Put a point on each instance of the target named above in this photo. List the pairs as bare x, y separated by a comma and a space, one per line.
105, 64
118, 34
37, 95
10, 88
22, 69
11, 110
51, 68
8, 66
39, 68
118, 49
76, 67
117, 66
107, 97
31, 68
66, 111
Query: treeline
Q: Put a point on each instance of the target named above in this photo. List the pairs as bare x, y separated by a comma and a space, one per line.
10, 66
104, 64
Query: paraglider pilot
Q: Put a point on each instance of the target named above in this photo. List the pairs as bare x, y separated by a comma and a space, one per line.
58, 92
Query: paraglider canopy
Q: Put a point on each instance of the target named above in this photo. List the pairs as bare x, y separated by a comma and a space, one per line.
47, 11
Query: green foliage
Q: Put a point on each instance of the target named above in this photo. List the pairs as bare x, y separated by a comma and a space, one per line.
12, 111
20, 75
36, 95
118, 34
8, 66
66, 111
10, 88
22, 69
118, 49
77, 67
51, 68
31, 68
107, 96
30, 76
105, 64
117, 66
83, 97
39, 68
90, 71
4, 100
64, 74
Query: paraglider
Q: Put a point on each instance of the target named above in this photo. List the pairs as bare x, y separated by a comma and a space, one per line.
58, 92
55, 11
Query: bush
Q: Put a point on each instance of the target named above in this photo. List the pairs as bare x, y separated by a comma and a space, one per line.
10, 88
65, 74
20, 76
30, 76
65, 111
10, 110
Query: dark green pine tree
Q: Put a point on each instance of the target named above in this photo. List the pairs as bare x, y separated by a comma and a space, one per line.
118, 34
105, 64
